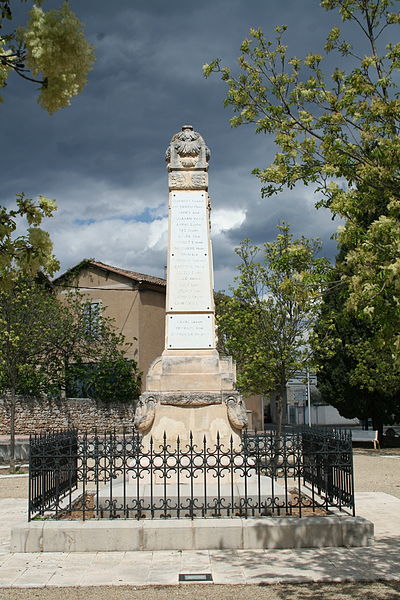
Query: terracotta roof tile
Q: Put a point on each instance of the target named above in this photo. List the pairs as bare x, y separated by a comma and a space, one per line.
131, 274
125, 272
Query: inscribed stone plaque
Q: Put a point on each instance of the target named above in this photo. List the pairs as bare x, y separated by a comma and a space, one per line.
190, 281
190, 331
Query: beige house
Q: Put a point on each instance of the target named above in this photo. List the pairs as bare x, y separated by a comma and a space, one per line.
135, 301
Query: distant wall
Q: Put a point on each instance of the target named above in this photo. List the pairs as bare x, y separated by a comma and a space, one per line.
151, 328
255, 404
34, 415
328, 415
320, 415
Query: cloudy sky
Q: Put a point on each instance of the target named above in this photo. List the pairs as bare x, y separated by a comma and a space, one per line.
102, 158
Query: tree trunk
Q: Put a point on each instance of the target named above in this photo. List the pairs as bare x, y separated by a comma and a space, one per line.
279, 413
279, 399
12, 430
377, 425
63, 383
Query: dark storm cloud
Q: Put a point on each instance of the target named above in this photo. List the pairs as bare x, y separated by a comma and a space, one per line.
103, 157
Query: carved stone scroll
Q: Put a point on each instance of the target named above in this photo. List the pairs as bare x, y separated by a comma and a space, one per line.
145, 412
236, 412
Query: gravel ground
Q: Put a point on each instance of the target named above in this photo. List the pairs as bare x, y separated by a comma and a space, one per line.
13, 487
375, 471
338, 591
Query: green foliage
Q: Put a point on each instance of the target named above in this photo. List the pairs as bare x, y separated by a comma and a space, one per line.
338, 132
27, 315
85, 347
25, 253
52, 46
109, 379
355, 373
266, 322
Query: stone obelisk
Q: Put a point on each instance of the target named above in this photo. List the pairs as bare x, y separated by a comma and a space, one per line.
190, 388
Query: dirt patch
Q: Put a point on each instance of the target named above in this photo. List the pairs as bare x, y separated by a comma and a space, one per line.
13, 487
82, 506
19, 470
377, 471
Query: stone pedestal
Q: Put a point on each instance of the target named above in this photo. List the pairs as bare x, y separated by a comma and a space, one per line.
191, 370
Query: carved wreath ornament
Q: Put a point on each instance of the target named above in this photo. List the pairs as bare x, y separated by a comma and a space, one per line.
187, 143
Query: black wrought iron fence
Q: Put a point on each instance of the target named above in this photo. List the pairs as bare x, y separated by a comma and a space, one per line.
53, 469
114, 475
325, 457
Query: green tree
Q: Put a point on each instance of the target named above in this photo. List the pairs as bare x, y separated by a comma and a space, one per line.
355, 374
266, 322
339, 132
89, 354
52, 47
27, 313
112, 378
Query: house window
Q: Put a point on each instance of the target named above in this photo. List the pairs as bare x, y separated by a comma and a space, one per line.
91, 317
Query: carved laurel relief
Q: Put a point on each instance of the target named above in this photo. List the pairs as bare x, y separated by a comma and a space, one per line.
187, 181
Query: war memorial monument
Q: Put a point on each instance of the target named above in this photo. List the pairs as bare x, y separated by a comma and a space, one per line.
189, 476
190, 388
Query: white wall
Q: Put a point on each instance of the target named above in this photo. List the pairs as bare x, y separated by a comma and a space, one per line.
320, 415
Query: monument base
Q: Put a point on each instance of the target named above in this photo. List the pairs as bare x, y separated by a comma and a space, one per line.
120, 535
197, 421
190, 498
191, 415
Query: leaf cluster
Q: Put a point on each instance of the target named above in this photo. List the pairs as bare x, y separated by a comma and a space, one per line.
50, 50
28, 252
356, 373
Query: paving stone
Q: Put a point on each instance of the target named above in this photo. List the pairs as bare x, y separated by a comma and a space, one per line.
34, 577
195, 561
225, 575
66, 576
9, 575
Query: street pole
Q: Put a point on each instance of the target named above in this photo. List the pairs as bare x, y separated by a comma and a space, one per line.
309, 398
